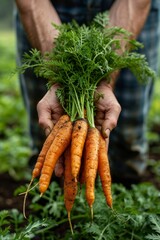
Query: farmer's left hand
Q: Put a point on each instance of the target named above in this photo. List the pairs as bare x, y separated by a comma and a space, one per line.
108, 109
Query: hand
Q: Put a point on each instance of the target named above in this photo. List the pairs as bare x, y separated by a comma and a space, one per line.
49, 110
108, 109
59, 167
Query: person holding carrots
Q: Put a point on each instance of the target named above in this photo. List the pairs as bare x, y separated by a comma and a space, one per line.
121, 113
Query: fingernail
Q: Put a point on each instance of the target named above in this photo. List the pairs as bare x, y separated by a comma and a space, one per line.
47, 131
106, 133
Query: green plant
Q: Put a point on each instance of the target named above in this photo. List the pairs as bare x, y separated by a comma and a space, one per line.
155, 222
14, 141
135, 216
153, 132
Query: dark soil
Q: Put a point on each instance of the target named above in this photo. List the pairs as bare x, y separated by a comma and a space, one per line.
8, 200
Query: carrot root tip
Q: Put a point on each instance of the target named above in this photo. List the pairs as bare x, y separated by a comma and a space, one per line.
91, 209
70, 223
25, 197
41, 195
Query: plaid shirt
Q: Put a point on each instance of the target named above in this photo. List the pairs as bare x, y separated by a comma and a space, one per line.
83, 11
128, 146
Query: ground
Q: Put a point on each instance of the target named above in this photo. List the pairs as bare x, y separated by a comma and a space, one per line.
7, 198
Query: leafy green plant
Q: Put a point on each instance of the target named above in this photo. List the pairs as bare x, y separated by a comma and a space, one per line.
155, 222
135, 216
14, 141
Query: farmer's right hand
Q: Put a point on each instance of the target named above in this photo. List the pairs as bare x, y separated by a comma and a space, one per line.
49, 110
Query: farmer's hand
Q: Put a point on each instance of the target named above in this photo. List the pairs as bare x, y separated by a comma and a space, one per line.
108, 109
49, 110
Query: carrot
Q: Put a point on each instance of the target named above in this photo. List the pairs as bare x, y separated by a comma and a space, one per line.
58, 146
41, 157
39, 164
104, 171
79, 134
70, 186
91, 158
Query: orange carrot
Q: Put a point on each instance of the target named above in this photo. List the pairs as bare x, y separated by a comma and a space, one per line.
70, 186
91, 158
41, 157
79, 134
104, 171
39, 164
58, 146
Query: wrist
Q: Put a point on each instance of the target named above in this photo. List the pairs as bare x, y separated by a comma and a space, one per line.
114, 77
112, 82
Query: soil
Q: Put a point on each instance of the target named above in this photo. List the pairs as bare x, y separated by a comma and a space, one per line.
8, 200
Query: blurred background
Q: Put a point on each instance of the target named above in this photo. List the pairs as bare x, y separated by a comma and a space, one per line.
14, 147
14, 141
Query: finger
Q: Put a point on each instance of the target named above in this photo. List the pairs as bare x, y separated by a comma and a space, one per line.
99, 122
110, 120
56, 114
105, 132
47, 131
59, 167
107, 144
49, 109
99, 118
44, 116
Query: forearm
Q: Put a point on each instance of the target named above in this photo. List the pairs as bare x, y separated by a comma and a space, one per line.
130, 14
36, 17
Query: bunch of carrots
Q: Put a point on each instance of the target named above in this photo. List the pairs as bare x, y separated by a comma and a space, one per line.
84, 154
82, 56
